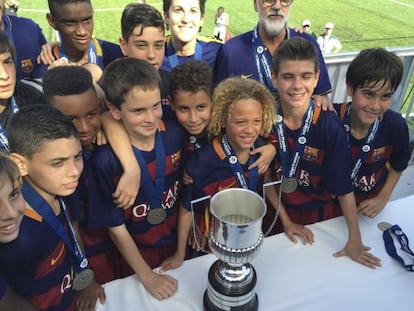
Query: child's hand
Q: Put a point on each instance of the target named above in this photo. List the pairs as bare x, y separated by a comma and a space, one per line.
100, 138
292, 230
58, 63
197, 242
160, 286
46, 56
267, 154
127, 189
359, 253
324, 102
172, 262
87, 298
372, 207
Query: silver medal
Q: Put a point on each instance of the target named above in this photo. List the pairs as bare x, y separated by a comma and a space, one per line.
83, 279
156, 216
383, 226
289, 184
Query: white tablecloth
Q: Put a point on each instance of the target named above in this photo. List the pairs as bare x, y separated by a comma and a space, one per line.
297, 277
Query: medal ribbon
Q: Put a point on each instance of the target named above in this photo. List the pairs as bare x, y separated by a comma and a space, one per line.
4, 142
289, 166
368, 142
237, 169
44, 209
263, 61
153, 190
193, 141
92, 55
172, 56
396, 231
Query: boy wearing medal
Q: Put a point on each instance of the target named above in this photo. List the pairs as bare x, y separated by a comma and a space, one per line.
242, 110
12, 207
312, 154
73, 20
145, 234
377, 136
71, 90
47, 254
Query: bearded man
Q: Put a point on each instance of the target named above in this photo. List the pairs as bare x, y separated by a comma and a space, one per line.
249, 55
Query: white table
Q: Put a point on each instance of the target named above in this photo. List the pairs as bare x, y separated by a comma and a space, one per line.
297, 277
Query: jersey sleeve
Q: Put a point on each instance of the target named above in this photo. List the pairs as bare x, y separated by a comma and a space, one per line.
338, 160
401, 149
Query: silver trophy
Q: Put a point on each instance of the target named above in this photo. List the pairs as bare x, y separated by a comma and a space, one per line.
235, 238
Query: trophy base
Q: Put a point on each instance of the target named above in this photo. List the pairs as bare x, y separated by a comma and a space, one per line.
252, 305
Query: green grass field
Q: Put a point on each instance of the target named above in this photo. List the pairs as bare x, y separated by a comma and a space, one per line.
358, 24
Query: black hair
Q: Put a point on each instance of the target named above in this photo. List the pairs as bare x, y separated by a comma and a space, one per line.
192, 76
139, 14
123, 74
66, 80
373, 67
52, 3
34, 125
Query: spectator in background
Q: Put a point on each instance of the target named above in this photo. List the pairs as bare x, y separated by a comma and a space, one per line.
306, 27
221, 20
11, 7
328, 42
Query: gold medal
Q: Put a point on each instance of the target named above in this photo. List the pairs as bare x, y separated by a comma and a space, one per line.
156, 216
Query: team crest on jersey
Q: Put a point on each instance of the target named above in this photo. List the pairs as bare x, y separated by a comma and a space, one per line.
378, 154
310, 153
27, 65
175, 160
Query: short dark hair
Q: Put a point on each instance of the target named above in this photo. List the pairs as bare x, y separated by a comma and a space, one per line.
33, 125
167, 3
66, 80
296, 48
140, 14
6, 45
192, 76
52, 3
123, 74
374, 66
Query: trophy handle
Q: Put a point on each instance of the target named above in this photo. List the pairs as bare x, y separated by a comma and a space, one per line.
192, 202
272, 183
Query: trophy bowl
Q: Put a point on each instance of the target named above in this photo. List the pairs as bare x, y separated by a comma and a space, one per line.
235, 239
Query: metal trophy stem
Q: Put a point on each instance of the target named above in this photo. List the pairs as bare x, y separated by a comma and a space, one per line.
235, 238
